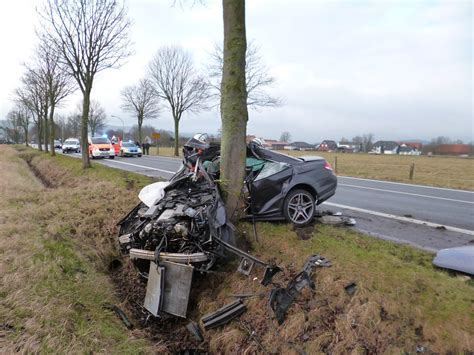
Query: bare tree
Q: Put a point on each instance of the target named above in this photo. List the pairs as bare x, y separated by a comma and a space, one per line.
257, 78
91, 36
97, 117
74, 124
366, 141
142, 101
234, 113
285, 136
177, 82
58, 84
33, 94
24, 119
13, 128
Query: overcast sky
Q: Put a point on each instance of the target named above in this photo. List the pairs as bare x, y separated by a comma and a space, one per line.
397, 69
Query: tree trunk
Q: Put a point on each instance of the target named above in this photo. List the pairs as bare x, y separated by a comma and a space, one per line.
234, 112
51, 131
46, 131
176, 136
39, 134
26, 136
84, 123
139, 131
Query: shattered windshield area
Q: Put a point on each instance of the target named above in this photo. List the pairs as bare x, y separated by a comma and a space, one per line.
271, 168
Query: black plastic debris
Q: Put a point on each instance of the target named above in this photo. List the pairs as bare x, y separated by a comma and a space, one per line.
120, 314
281, 299
223, 315
351, 288
195, 330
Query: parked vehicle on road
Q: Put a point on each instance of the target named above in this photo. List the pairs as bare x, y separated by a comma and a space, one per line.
57, 144
100, 147
71, 145
130, 149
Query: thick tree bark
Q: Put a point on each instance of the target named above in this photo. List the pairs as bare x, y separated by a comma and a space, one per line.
46, 131
51, 131
234, 112
140, 122
176, 136
39, 127
84, 141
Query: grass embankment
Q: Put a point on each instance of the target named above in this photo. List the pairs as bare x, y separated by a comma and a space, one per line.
57, 245
441, 171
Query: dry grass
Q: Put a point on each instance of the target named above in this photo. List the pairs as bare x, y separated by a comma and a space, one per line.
57, 243
451, 172
401, 301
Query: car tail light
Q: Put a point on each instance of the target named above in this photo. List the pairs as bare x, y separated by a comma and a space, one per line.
327, 166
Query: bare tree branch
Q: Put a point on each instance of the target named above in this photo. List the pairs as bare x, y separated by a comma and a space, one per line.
142, 101
257, 79
91, 36
177, 82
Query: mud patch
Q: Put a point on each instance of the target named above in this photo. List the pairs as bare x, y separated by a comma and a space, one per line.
304, 233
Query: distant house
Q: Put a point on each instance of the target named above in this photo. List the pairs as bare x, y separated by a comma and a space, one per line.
415, 145
385, 147
349, 147
406, 149
300, 146
327, 146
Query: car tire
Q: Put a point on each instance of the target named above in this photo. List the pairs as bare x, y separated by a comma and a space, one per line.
299, 207
139, 155
112, 157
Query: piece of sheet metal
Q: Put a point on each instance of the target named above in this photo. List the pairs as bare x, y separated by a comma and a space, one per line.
154, 289
177, 286
459, 259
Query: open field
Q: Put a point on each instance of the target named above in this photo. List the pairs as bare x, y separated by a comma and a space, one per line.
60, 266
441, 171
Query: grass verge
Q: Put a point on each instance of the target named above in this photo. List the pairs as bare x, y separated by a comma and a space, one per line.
58, 244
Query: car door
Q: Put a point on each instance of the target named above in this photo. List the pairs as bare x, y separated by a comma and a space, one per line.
269, 187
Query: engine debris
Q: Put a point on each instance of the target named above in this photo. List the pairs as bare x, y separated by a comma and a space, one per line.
223, 315
281, 299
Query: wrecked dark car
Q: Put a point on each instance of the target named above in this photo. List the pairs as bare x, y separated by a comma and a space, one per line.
278, 186
181, 226
284, 187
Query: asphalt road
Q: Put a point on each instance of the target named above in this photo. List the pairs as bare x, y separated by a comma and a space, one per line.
427, 217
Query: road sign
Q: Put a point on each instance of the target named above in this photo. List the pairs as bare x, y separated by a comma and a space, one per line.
156, 135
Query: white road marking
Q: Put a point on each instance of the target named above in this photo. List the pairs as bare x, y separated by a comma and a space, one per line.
400, 218
158, 157
141, 166
406, 193
406, 184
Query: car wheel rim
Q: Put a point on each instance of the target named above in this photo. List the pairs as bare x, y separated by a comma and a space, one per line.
300, 208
